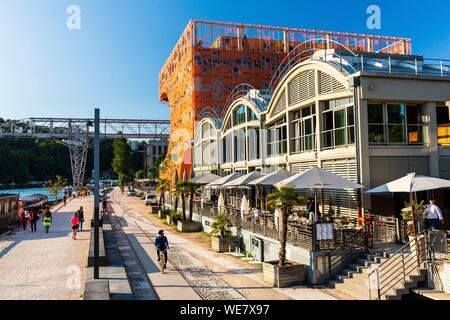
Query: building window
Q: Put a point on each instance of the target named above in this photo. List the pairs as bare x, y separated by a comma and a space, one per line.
251, 116
253, 141
395, 123
239, 115
443, 121
303, 130
338, 124
240, 145
277, 138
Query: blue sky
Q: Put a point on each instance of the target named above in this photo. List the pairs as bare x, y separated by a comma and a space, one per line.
114, 60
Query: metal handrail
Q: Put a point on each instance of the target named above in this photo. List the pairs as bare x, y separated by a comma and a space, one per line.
408, 257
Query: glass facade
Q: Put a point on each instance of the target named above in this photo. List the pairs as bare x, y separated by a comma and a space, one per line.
303, 130
396, 123
277, 138
338, 123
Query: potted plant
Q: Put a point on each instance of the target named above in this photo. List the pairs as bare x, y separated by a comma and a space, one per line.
162, 214
283, 273
222, 239
173, 217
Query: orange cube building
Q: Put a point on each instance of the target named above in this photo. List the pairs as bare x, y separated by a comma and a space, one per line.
211, 58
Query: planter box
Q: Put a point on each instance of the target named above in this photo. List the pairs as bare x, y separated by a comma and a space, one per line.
172, 221
154, 209
162, 214
189, 226
290, 275
219, 244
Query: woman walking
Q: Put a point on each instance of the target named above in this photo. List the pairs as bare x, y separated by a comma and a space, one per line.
34, 217
24, 216
75, 226
47, 221
80, 214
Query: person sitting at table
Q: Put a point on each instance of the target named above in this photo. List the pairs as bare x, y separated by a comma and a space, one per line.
258, 213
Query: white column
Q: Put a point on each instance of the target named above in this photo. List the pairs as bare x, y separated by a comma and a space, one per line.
431, 132
364, 149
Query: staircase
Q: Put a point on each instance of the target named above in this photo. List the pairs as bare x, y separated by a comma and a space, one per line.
394, 273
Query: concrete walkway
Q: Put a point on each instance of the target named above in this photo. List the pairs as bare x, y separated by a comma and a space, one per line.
35, 266
216, 276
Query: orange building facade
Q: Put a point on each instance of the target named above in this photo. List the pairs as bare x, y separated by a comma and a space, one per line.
212, 58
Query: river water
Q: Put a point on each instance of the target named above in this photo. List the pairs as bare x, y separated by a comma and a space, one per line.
32, 191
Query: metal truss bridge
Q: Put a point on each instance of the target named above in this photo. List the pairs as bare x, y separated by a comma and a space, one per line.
77, 133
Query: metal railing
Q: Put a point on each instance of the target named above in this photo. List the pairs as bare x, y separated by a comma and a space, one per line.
384, 229
398, 268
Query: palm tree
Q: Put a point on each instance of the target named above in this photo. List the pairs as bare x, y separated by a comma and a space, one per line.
284, 199
54, 186
162, 187
182, 189
176, 193
194, 190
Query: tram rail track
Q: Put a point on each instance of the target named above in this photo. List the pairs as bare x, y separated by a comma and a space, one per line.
151, 237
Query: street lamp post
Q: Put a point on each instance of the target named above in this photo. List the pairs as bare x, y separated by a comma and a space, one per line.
96, 192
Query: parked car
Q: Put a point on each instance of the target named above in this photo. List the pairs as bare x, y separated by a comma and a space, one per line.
131, 193
151, 199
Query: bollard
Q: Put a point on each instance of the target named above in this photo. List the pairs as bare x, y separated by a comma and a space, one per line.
229, 249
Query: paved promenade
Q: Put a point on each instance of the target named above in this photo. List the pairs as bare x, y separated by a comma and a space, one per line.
46, 266
215, 276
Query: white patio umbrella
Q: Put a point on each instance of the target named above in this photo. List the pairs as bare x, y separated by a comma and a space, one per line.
221, 204
269, 180
221, 181
318, 179
244, 180
205, 178
412, 183
272, 178
244, 206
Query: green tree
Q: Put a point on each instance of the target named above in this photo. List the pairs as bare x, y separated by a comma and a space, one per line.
284, 199
55, 185
182, 187
176, 192
162, 186
139, 175
122, 161
222, 226
194, 190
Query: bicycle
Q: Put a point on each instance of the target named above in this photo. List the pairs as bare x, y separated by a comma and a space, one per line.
162, 260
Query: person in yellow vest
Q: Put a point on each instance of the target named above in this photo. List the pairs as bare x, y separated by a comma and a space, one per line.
47, 221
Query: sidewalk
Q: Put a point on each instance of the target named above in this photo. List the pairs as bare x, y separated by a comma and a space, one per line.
217, 276
46, 266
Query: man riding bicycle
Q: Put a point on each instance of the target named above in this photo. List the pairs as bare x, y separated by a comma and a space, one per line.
162, 245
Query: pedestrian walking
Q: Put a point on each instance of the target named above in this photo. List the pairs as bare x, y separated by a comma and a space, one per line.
434, 215
105, 204
75, 226
47, 220
34, 217
80, 214
65, 199
24, 216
